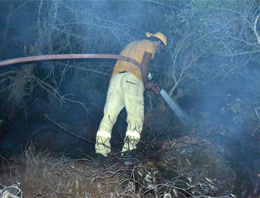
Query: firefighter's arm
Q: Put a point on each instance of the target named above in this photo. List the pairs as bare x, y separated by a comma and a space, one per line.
145, 65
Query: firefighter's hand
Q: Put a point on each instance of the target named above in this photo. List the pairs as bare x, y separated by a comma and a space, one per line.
149, 85
154, 87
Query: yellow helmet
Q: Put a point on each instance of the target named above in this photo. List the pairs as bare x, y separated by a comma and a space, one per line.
158, 35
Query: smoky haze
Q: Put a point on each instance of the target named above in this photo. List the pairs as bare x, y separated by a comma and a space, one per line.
210, 67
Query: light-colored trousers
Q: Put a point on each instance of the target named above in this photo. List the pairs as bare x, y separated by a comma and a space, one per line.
125, 90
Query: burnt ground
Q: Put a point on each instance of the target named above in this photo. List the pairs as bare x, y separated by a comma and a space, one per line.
181, 167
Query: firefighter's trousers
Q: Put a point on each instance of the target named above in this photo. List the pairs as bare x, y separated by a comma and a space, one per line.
125, 90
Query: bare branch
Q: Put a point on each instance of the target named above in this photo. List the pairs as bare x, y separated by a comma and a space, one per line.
255, 30
67, 131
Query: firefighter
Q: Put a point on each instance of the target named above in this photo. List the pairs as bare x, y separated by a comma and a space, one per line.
126, 89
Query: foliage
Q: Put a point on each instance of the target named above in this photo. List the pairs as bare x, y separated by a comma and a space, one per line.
210, 40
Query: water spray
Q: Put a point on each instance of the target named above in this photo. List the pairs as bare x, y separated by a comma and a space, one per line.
172, 104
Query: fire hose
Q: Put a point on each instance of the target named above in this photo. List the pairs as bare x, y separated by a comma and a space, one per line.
66, 57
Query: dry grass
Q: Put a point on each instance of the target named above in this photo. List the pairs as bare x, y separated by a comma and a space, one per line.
40, 174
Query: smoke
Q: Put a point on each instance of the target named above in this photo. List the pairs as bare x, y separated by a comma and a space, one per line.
212, 57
